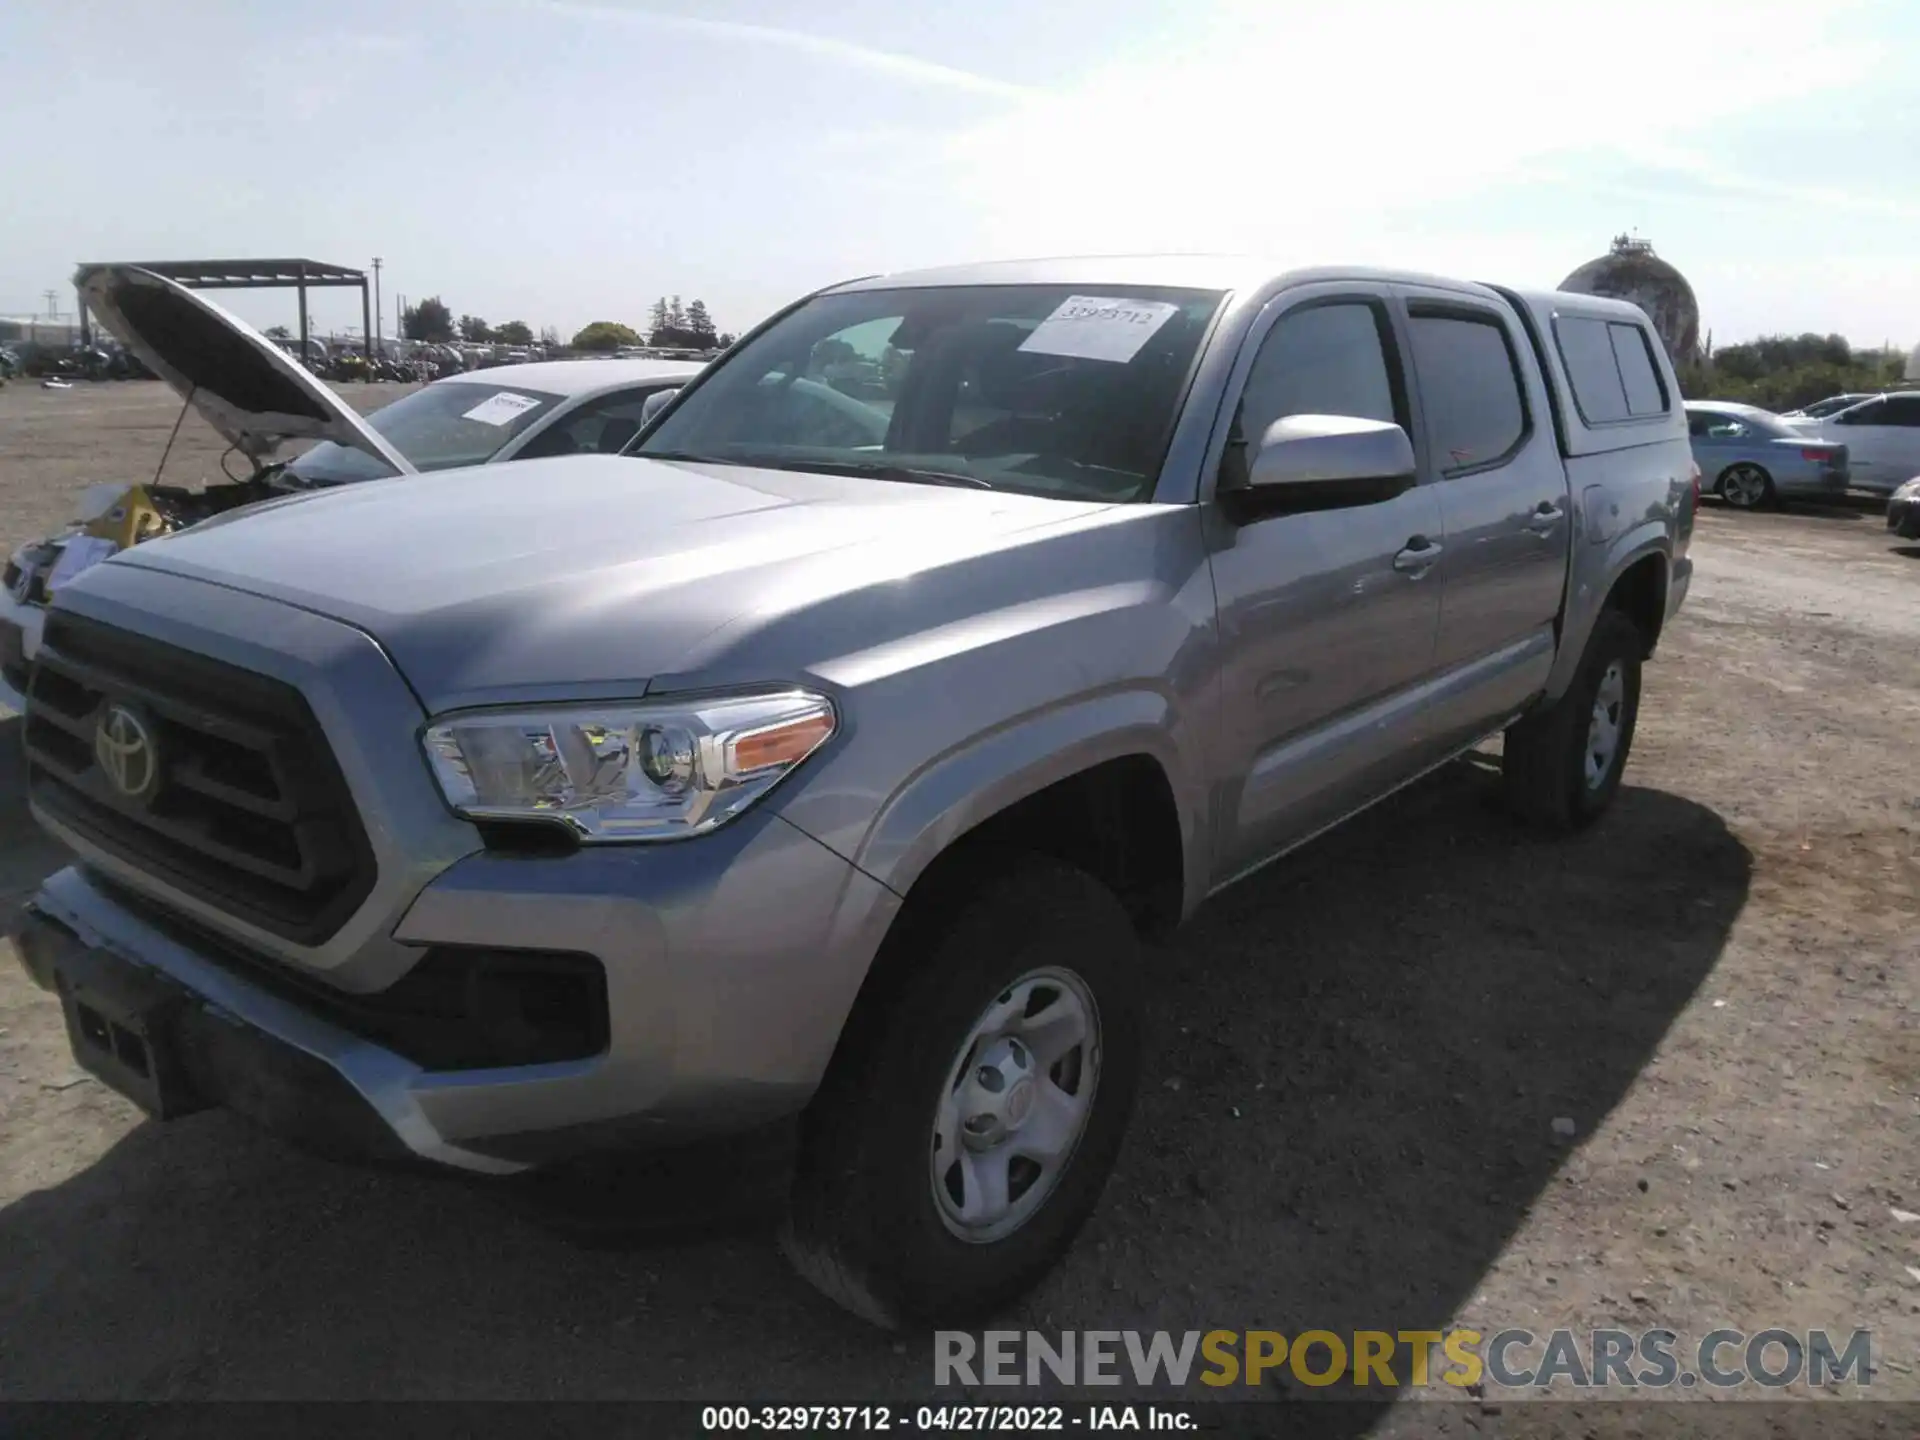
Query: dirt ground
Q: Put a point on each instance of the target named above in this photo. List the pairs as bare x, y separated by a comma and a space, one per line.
1358, 1062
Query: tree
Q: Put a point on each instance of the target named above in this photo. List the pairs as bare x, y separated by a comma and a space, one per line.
514, 332
657, 321
700, 326
549, 336
429, 320
1783, 372
605, 335
724, 340
278, 332
474, 329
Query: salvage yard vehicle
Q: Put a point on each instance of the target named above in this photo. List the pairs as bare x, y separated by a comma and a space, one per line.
1903, 510
1750, 458
1882, 436
556, 408
1832, 405
774, 783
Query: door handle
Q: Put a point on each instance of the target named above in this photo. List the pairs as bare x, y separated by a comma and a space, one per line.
1545, 516
1417, 557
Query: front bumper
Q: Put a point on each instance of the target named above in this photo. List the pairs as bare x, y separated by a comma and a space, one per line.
731, 962
184, 1052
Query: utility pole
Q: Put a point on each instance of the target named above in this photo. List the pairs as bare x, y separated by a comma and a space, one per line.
53, 310
379, 315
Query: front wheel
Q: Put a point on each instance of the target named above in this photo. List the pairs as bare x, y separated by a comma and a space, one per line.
1746, 487
966, 1128
1563, 764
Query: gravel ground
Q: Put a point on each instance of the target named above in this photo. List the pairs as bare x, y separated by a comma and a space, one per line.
1359, 1060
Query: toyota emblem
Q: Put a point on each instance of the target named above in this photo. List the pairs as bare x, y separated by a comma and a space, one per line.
124, 747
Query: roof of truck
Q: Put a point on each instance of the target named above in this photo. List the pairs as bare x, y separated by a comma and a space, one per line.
1200, 272
1550, 302
1217, 272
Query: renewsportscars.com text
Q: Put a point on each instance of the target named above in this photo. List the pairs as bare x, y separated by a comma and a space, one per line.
1510, 1359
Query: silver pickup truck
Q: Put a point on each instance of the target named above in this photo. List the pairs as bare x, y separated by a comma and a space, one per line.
816, 767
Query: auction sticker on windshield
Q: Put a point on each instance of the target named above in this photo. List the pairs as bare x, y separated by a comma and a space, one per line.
500, 409
1093, 327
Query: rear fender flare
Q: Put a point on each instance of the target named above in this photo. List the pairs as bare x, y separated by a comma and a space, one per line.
1588, 587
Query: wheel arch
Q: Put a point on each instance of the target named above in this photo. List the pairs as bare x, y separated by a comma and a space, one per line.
1102, 784
1635, 578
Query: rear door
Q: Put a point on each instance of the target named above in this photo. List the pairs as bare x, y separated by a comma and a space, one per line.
1503, 501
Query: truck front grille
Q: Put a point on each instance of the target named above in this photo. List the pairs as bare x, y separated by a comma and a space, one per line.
215, 780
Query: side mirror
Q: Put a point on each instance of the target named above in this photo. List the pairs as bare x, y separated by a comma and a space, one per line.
1326, 462
655, 403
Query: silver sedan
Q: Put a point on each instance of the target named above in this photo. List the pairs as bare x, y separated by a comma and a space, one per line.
1750, 458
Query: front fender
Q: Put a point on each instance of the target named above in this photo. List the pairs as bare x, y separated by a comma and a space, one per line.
1595, 570
981, 777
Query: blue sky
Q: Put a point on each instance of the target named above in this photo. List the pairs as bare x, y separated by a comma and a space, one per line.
560, 161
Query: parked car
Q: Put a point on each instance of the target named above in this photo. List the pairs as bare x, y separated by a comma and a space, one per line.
1882, 436
777, 784
1750, 457
1903, 510
1832, 405
557, 408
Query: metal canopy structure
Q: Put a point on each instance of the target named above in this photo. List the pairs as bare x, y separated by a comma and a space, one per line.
301, 275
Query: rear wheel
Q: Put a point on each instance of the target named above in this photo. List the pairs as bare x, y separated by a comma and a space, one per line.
1563, 764
969, 1122
1746, 487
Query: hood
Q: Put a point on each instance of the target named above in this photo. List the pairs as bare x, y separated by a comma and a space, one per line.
596, 575
248, 389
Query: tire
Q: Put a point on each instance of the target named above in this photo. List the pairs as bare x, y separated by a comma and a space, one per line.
865, 1224
1746, 487
1547, 773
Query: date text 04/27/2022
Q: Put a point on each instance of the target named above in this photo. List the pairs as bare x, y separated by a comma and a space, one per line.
940, 1419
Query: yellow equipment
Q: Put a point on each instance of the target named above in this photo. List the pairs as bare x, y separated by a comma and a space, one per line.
129, 520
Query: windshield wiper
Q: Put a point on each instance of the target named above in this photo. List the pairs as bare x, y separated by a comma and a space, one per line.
880, 470
687, 457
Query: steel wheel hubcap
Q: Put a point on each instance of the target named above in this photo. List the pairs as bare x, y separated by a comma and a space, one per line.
1603, 730
1015, 1104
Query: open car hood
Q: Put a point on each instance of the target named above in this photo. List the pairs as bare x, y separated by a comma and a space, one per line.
248, 389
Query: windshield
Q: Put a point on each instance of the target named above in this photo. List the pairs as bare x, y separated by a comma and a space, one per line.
436, 428
1047, 389
1823, 408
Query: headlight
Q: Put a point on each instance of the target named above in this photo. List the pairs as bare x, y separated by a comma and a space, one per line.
615, 772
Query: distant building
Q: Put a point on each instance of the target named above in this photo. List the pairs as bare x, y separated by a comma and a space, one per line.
38, 330
1631, 271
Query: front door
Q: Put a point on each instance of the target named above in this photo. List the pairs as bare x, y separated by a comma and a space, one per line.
1326, 618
